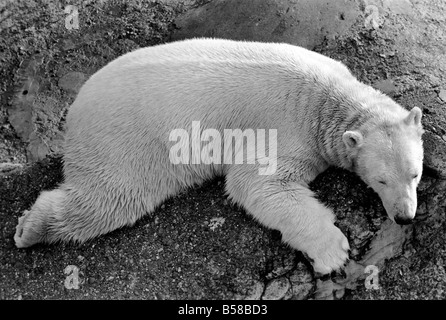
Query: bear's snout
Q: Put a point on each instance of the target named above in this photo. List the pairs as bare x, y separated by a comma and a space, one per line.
404, 211
402, 220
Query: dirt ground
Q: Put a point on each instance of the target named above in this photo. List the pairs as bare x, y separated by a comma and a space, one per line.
198, 245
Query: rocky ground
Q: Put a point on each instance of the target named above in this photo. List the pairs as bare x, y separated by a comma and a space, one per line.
198, 245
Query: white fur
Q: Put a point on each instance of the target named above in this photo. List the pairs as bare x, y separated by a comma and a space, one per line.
117, 166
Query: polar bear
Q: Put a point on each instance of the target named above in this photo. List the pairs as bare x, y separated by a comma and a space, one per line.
117, 162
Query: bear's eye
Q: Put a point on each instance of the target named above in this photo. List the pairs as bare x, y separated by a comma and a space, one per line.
415, 176
382, 182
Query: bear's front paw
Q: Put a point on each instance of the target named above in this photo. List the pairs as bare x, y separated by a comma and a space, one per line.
329, 251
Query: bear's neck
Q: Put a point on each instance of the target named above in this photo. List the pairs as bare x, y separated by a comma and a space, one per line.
359, 107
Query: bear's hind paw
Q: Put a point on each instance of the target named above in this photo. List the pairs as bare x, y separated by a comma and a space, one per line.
28, 230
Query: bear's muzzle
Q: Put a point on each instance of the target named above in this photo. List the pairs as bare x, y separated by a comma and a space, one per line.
405, 211
402, 220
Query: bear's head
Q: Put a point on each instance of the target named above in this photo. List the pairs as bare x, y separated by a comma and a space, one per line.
389, 158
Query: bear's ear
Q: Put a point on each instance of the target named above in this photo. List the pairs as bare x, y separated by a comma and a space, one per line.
414, 117
352, 139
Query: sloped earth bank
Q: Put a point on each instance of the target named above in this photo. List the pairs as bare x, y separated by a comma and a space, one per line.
198, 245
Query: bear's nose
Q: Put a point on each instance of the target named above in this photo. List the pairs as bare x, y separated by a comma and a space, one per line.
403, 220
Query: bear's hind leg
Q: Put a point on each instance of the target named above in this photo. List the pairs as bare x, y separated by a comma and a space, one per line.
77, 214
82, 210
305, 223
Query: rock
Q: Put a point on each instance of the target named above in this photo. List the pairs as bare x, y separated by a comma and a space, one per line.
328, 290
431, 210
385, 86
306, 23
387, 243
276, 289
37, 148
282, 266
8, 167
67, 44
32, 111
435, 82
301, 282
20, 118
184, 3
255, 292
72, 82
21, 112
400, 7
435, 153
302, 291
442, 95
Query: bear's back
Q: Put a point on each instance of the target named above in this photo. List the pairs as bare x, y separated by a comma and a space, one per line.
209, 74
234, 52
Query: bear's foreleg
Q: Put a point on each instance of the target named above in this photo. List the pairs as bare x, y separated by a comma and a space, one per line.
305, 223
